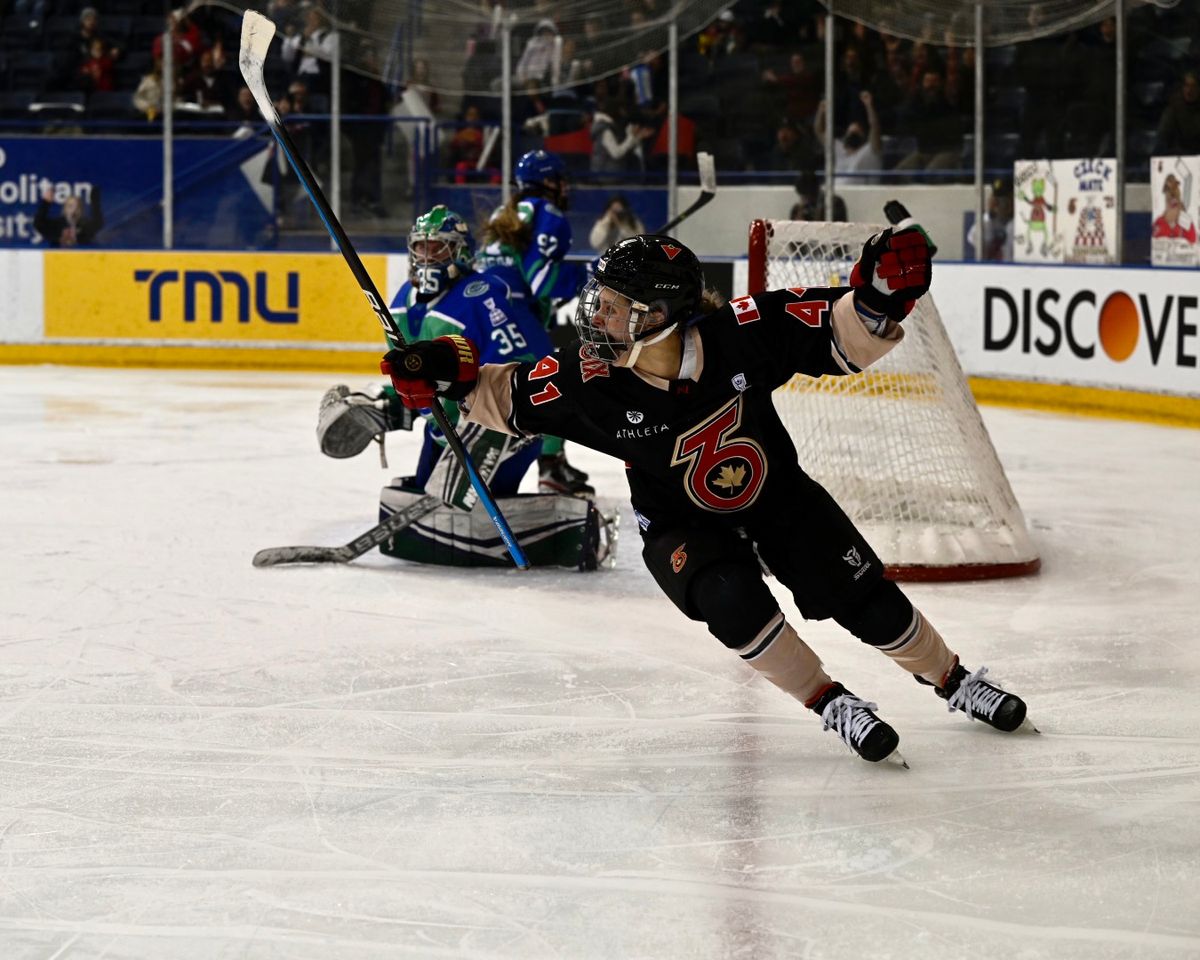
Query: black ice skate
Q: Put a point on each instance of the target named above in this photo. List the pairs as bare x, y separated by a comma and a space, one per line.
852, 719
555, 475
981, 700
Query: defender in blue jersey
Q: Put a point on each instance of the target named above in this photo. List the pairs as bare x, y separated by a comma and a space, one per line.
446, 297
525, 245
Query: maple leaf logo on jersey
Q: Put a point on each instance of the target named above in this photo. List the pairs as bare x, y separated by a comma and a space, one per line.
730, 477
671, 250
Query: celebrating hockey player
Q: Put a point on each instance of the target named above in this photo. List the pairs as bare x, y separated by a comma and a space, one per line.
444, 295
679, 387
525, 243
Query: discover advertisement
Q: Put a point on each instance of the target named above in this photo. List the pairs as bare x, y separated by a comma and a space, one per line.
1119, 329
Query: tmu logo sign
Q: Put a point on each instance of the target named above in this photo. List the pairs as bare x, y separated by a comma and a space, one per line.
216, 290
1089, 325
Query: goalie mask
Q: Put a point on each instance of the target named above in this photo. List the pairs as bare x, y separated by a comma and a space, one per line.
643, 288
440, 251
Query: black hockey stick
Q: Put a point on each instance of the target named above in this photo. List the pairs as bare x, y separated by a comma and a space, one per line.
708, 190
898, 216
400, 520
257, 32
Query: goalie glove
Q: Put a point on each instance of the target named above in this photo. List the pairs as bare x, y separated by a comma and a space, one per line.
446, 367
893, 272
348, 421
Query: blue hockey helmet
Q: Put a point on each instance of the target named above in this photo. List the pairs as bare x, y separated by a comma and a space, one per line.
543, 174
440, 251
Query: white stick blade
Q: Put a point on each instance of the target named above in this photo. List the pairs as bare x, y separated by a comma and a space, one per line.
257, 32
707, 171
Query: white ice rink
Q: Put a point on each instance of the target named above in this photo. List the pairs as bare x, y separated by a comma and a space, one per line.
199, 759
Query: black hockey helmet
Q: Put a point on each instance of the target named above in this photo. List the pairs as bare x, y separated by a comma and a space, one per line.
654, 273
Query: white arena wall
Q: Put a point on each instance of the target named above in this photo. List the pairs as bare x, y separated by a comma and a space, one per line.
1117, 342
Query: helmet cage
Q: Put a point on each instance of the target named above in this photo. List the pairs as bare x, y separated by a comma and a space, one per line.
614, 324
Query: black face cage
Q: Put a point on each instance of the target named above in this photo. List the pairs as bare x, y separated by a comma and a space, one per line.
607, 346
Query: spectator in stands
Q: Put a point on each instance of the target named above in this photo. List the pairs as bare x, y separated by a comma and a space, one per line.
800, 88
363, 93
1042, 67
186, 42
611, 154
794, 149
76, 225
539, 56
932, 120
148, 97
891, 87
308, 51
74, 55
616, 223
858, 150
849, 84
810, 200
466, 146
997, 223
419, 90
1179, 128
206, 86
245, 113
98, 71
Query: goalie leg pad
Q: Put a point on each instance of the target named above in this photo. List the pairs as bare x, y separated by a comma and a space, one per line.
499, 459
554, 531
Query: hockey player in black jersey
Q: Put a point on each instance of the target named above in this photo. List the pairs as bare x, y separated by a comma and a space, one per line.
679, 387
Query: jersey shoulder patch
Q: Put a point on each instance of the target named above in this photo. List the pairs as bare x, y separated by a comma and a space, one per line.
476, 288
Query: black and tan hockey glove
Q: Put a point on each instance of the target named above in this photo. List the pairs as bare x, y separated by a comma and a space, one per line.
893, 272
445, 367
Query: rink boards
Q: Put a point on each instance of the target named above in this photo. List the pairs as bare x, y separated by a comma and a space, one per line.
1120, 342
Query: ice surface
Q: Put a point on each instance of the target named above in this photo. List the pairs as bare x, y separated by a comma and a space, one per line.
201, 759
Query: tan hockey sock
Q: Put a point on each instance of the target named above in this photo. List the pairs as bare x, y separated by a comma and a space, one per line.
782, 657
921, 650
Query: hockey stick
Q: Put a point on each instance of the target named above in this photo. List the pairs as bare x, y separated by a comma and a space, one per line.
898, 216
400, 520
708, 190
257, 32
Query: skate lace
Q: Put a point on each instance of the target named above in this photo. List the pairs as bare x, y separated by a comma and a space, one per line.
974, 696
847, 716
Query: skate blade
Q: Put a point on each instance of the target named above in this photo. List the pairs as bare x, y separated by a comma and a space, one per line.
1027, 727
897, 759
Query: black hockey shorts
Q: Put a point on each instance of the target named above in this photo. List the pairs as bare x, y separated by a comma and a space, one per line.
814, 549
677, 555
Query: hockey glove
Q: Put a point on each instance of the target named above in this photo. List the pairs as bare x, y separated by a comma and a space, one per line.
893, 272
445, 367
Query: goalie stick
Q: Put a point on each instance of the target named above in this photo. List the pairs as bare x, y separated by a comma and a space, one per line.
400, 520
257, 32
708, 190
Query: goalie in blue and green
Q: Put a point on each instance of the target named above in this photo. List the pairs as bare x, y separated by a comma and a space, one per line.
445, 295
526, 242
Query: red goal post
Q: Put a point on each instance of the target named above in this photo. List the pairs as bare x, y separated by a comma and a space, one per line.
902, 446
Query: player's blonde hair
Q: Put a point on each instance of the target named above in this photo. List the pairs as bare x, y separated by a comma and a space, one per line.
507, 227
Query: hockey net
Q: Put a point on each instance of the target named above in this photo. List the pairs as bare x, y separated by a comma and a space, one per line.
901, 446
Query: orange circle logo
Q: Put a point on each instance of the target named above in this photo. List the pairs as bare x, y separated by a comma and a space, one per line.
1118, 326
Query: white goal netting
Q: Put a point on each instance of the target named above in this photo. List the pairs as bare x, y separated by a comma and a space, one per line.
901, 446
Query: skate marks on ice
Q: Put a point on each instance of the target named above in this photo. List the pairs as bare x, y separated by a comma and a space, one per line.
366, 762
